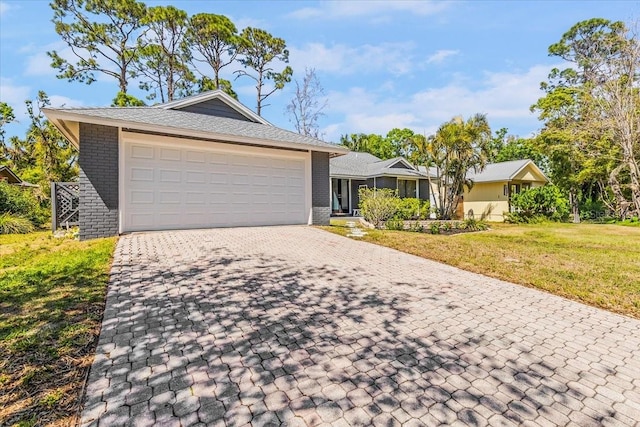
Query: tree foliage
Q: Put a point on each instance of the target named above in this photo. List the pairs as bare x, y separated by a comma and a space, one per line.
6, 116
44, 155
307, 105
591, 115
103, 35
168, 53
215, 38
378, 205
540, 203
396, 143
259, 52
164, 54
459, 146
504, 147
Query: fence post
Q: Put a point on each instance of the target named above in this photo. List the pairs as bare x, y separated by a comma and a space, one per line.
54, 208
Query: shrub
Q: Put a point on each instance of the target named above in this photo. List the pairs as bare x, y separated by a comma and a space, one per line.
378, 205
532, 205
412, 208
22, 202
394, 224
417, 227
434, 228
13, 224
472, 224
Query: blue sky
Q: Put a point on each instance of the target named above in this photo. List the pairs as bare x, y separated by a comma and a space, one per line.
383, 64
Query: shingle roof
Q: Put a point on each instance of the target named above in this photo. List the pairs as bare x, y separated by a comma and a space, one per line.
503, 171
365, 165
184, 121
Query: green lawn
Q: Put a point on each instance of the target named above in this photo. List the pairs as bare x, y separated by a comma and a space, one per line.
592, 263
51, 302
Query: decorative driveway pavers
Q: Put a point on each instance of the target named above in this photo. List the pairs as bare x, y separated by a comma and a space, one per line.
297, 326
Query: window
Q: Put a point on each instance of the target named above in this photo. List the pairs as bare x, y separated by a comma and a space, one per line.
407, 188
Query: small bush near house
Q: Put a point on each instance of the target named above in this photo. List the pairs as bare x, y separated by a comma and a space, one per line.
13, 224
22, 202
472, 224
538, 204
394, 224
412, 208
378, 205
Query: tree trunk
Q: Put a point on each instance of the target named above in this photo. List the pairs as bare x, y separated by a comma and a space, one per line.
575, 208
634, 175
617, 191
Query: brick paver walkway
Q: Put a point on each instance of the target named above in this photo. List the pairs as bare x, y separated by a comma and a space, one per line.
297, 326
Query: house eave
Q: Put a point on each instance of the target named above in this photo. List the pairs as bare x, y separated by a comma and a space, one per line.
62, 119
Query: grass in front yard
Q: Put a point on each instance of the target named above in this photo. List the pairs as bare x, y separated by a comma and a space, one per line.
592, 263
51, 302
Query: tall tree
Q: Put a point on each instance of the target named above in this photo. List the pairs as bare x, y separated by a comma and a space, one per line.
215, 38
102, 34
44, 155
374, 144
258, 51
591, 112
164, 54
6, 116
307, 105
205, 83
458, 147
402, 141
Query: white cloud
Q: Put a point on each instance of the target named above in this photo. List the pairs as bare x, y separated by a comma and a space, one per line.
63, 101
439, 56
396, 58
38, 63
14, 95
4, 7
504, 96
242, 23
343, 9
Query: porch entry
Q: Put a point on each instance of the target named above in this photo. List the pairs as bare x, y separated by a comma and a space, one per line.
340, 196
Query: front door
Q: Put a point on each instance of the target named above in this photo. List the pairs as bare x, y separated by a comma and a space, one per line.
339, 196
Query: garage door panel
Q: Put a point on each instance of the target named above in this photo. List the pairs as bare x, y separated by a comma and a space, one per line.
169, 175
170, 197
142, 152
142, 174
142, 197
196, 156
196, 177
195, 198
192, 186
170, 154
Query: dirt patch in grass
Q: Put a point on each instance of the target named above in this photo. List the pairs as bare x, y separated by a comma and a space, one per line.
52, 294
591, 263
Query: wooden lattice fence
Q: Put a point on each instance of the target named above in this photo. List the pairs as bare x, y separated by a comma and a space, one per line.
65, 201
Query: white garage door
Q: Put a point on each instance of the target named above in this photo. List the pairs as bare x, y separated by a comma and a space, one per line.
184, 184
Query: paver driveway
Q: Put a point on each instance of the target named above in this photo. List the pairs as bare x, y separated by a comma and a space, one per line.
294, 325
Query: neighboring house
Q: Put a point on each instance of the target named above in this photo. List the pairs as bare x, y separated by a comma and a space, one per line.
202, 161
355, 170
493, 187
9, 176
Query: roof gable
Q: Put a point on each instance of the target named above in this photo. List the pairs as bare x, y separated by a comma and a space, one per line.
365, 165
524, 170
8, 175
214, 103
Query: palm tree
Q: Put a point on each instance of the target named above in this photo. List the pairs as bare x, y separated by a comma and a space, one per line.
458, 147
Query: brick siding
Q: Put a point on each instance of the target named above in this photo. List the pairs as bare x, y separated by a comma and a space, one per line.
98, 162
